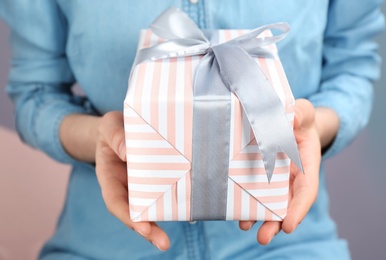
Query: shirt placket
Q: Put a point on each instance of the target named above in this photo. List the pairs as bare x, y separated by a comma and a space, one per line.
196, 10
194, 231
196, 244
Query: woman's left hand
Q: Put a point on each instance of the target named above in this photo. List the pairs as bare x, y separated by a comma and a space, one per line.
303, 188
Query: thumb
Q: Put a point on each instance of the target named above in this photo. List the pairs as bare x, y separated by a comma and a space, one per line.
111, 132
304, 113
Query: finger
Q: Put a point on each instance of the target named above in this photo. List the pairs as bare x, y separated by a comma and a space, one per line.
111, 130
114, 192
246, 225
300, 205
115, 196
118, 206
158, 237
305, 189
148, 230
267, 231
304, 113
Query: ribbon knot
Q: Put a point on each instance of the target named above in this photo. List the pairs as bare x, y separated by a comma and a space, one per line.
225, 68
210, 49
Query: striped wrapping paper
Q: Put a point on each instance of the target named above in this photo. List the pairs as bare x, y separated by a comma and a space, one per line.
158, 125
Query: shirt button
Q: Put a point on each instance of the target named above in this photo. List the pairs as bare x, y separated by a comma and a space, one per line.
193, 1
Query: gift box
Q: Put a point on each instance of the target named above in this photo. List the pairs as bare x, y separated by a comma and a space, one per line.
162, 135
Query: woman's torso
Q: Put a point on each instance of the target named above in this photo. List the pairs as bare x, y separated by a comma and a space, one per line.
101, 45
102, 38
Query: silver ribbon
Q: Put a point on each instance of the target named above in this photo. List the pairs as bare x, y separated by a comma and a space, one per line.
225, 68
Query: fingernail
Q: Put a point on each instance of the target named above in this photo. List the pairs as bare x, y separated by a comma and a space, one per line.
250, 226
156, 245
139, 232
269, 241
121, 151
293, 229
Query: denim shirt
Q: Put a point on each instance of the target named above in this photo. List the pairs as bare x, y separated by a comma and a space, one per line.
328, 56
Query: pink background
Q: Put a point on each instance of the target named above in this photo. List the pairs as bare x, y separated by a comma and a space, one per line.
32, 186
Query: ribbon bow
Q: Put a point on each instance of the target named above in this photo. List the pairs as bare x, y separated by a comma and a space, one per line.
225, 68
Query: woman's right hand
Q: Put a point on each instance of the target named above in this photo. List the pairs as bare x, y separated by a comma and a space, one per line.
110, 159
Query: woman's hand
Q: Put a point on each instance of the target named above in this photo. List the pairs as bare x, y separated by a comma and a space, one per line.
110, 158
312, 129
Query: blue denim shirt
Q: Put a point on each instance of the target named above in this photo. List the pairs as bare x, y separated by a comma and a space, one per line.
328, 56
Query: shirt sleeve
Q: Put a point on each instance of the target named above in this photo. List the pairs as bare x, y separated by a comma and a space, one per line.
350, 65
40, 78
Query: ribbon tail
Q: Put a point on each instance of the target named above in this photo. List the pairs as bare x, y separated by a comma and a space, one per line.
269, 159
264, 41
291, 149
260, 103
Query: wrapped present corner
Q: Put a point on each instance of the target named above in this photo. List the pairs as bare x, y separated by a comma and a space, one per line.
208, 122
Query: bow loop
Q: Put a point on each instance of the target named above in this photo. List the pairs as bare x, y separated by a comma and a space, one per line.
174, 24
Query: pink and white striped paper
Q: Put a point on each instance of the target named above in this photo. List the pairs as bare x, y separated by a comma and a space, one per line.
158, 125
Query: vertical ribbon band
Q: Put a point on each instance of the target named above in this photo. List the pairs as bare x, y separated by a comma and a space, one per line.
225, 68
210, 157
